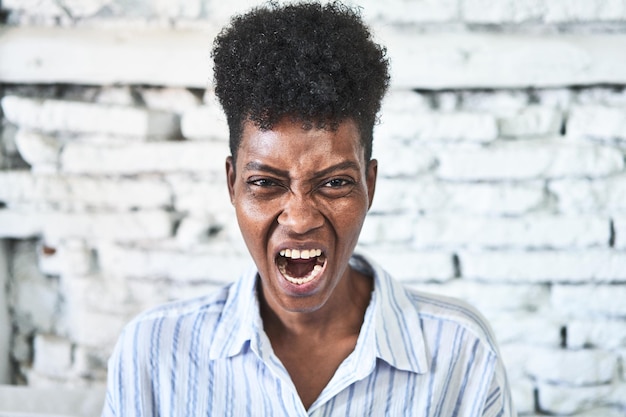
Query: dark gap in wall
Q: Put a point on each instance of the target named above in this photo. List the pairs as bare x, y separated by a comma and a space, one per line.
198, 92
178, 220
536, 399
4, 15
456, 263
612, 234
533, 97
214, 230
563, 336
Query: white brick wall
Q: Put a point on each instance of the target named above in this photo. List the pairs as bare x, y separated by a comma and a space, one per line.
502, 178
5, 320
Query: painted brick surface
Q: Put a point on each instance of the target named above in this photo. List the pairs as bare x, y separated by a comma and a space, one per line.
577, 266
68, 116
501, 178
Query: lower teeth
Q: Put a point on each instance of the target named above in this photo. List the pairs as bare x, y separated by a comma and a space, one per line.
299, 281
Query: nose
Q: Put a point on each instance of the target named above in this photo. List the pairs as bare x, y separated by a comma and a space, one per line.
300, 214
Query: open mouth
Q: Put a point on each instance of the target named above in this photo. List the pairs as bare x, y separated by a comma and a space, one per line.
300, 266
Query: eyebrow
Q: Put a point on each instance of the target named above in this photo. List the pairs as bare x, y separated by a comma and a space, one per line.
259, 166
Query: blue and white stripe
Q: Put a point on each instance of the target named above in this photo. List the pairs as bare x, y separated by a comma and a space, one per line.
416, 355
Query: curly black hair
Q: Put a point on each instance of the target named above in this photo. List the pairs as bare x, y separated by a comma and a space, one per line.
314, 63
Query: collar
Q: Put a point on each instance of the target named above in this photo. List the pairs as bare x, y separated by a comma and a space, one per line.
391, 329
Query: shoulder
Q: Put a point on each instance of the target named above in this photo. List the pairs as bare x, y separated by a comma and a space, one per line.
453, 313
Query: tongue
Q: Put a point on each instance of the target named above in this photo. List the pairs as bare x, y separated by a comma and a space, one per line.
299, 268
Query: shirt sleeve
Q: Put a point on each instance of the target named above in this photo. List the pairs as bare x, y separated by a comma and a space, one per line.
115, 383
498, 402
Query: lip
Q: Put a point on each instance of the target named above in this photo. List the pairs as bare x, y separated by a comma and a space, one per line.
307, 288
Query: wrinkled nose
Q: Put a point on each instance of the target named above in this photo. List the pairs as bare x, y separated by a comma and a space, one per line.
300, 215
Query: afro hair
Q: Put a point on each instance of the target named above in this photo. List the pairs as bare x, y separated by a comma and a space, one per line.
314, 63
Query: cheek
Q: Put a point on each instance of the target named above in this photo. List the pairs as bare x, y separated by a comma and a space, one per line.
348, 217
254, 220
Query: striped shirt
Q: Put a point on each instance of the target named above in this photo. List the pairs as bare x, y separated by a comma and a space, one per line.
416, 355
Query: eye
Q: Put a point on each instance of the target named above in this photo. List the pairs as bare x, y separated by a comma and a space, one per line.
337, 183
262, 182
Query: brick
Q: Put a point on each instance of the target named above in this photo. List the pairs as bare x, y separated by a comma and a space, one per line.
605, 334
605, 411
531, 121
600, 195
19, 224
121, 226
98, 293
77, 191
38, 149
523, 396
560, 399
30, 284
49, 259
489, 297
175, 100
148, 293
531, 231
134, 158
581, 11
446, 101
499, 60
205, 122
435, 126
413, 266
403, 195
506, 11
422, 60
398, 160
130, 58
406, 102
597, 122
573, 367
88, 363
208, 264
204, 196
95, 329
7, 137
72, 116
531, 328
179, 292
499, 102
76, 258
557, 98
525, 160
53, 355
398, 11
386, 229
610, 96
121, 96
515, 358
585, 301
194, 230
576, 266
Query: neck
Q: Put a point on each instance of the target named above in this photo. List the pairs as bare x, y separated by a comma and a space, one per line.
342, 315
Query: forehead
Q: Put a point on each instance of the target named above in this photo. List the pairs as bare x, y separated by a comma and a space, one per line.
288, 143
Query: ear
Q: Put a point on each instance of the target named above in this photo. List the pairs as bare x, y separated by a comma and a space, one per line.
370, 178
231, 176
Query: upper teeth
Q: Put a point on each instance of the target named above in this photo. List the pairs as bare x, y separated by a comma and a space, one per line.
300, 254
